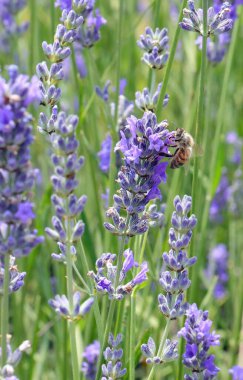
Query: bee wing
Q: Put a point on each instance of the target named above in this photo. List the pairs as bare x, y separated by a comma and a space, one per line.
197, 150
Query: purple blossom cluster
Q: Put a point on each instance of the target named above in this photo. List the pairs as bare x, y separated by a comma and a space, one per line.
16, 278
229, 194
236, 372
155, 46
106, 273
168, 354
67, 163
199, 338
218, 266
17, 177
13, 358
217, 22
147, 101
105, 153
75, 16
113, 355
90, 360
62, 306
175, 281
144, 144
9, 28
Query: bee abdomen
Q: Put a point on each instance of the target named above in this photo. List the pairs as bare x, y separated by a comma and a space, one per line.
179, 159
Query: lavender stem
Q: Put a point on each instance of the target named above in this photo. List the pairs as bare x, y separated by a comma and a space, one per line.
5, 310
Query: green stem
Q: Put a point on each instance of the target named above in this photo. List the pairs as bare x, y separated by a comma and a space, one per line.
172, 55
69, 271
161, 347
132, 336
5, 309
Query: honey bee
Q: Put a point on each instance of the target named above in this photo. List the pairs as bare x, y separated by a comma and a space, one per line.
184, 145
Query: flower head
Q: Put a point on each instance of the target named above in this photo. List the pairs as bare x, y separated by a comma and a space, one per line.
199, 338
236, 372
218, 266
105, 277
113, 356
62, 306
144, 143
90, 360
155, 45
217, 23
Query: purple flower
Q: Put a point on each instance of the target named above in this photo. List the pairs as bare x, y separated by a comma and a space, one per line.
90, 360
221, 198
142, 275
216, 48
175, 281
144, 144
90, 31
217, 22
13, 358
16, 278
169, 352
9, 10
113, 355
64, 4
17, 177
155, 45
147, 101
235, 142
104, 154
105, 276
62, 306
103, 93
236, 372
129, 261
25, 212
199, 339
218, 266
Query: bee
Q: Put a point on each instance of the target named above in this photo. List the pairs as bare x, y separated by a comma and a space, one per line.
184, 145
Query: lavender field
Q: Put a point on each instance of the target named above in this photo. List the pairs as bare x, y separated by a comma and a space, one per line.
121, 190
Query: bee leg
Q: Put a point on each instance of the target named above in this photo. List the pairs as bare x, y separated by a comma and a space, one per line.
166, 155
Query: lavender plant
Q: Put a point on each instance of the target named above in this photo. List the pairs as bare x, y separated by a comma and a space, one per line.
113, 355
173, 281
218, 266
9, 27
17, 178
90, 360
199, 339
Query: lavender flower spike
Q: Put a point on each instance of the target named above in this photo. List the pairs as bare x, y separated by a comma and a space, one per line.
17, 177
144, 144
113, 355
175, 281
16, 278
147, 101
105, 276
169, 352
199, 339
104, 154
90, 360
218, 266
13, 358
217, 22
236, 372
155, 45
62, 307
